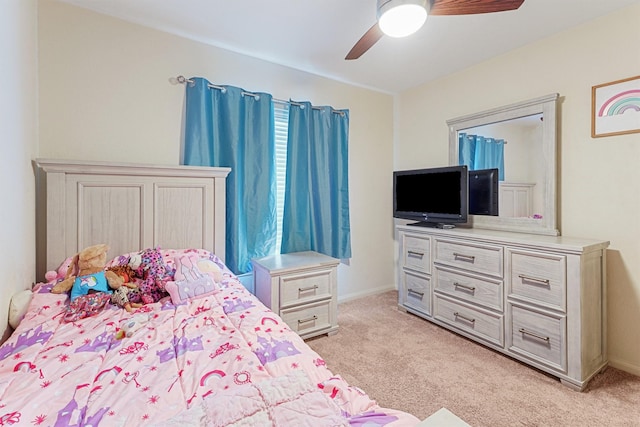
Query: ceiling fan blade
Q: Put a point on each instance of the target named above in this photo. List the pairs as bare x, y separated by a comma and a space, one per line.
472, 7
366, 41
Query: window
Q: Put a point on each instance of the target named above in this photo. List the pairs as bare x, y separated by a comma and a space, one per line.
270, 173
281, 119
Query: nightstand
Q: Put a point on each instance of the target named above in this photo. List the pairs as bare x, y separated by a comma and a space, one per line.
301, 288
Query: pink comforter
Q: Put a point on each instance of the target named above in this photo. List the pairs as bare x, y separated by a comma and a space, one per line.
220, 360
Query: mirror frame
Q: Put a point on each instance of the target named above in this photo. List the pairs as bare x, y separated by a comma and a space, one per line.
547, 105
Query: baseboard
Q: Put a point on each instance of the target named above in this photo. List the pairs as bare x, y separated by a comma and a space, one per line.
625, 366
374, 291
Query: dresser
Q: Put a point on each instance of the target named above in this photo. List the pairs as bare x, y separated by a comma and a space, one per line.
539, 299
302, 288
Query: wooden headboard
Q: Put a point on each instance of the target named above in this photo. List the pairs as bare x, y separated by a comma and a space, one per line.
127, 206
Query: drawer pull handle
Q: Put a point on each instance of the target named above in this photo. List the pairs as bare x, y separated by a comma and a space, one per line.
533, 334
467, 287
412, 291
469, 258
309, 288
308, 319
464, 317
534, 279
416, 254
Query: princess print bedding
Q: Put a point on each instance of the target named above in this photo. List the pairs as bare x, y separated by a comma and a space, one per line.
209, 354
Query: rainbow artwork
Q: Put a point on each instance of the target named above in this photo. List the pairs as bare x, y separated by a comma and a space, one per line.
628, 100
616, 108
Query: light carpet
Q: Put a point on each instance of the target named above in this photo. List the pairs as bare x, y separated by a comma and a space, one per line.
407, 363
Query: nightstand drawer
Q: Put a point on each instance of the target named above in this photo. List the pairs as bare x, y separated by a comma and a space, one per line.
309, 318
302, 288
480, 323
416, 253
417, 292
538, 278
479, 258
539, 336
469, 287
305, 287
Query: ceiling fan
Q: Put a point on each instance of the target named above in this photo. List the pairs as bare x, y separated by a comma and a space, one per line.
399, 18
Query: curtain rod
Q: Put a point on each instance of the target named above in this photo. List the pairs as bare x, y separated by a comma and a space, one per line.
184, 80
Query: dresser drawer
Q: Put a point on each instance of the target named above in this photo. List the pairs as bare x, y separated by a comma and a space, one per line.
470, 287
538, 277
485, 259
416, 253
539, 336
305, 287
416, 292
480, 323
308, 319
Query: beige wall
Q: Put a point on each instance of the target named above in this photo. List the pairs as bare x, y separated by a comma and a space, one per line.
105, 95
18, 127
599, 179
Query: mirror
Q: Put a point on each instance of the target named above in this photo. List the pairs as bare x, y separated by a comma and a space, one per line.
527, 188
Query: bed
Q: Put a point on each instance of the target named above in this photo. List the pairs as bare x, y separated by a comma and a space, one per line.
214, 358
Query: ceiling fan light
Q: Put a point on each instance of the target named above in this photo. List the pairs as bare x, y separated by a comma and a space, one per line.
401, 18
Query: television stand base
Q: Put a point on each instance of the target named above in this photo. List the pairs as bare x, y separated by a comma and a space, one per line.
433, 225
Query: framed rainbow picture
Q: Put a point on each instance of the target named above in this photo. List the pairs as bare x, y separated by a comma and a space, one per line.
615, 108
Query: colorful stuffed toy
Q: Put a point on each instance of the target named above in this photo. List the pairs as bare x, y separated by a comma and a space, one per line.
123, 270
121, 298
149, 266
89, 283
55, 276
86, 274
123, 294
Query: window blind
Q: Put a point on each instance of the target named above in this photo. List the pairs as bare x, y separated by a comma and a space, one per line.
281, 118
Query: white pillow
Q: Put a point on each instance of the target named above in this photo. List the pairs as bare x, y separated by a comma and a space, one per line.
18, 307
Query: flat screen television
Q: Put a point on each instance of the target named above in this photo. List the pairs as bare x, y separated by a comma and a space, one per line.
483, 192
435, 197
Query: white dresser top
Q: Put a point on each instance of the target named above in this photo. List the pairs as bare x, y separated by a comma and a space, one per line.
560, 243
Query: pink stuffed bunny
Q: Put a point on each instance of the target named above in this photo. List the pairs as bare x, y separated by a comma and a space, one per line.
55, 276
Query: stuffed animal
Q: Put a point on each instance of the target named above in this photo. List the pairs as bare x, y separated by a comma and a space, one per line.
120, 296
123, 270
55, 276
121, 292
87, 274
148, 266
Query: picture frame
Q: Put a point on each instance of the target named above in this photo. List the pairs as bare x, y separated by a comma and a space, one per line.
615, 108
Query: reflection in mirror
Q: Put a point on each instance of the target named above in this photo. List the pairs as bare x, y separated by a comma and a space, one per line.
519, 140
513, 147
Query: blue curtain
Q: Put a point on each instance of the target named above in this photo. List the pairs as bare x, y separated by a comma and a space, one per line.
466, 150
233, 129
316, 206
478, 152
